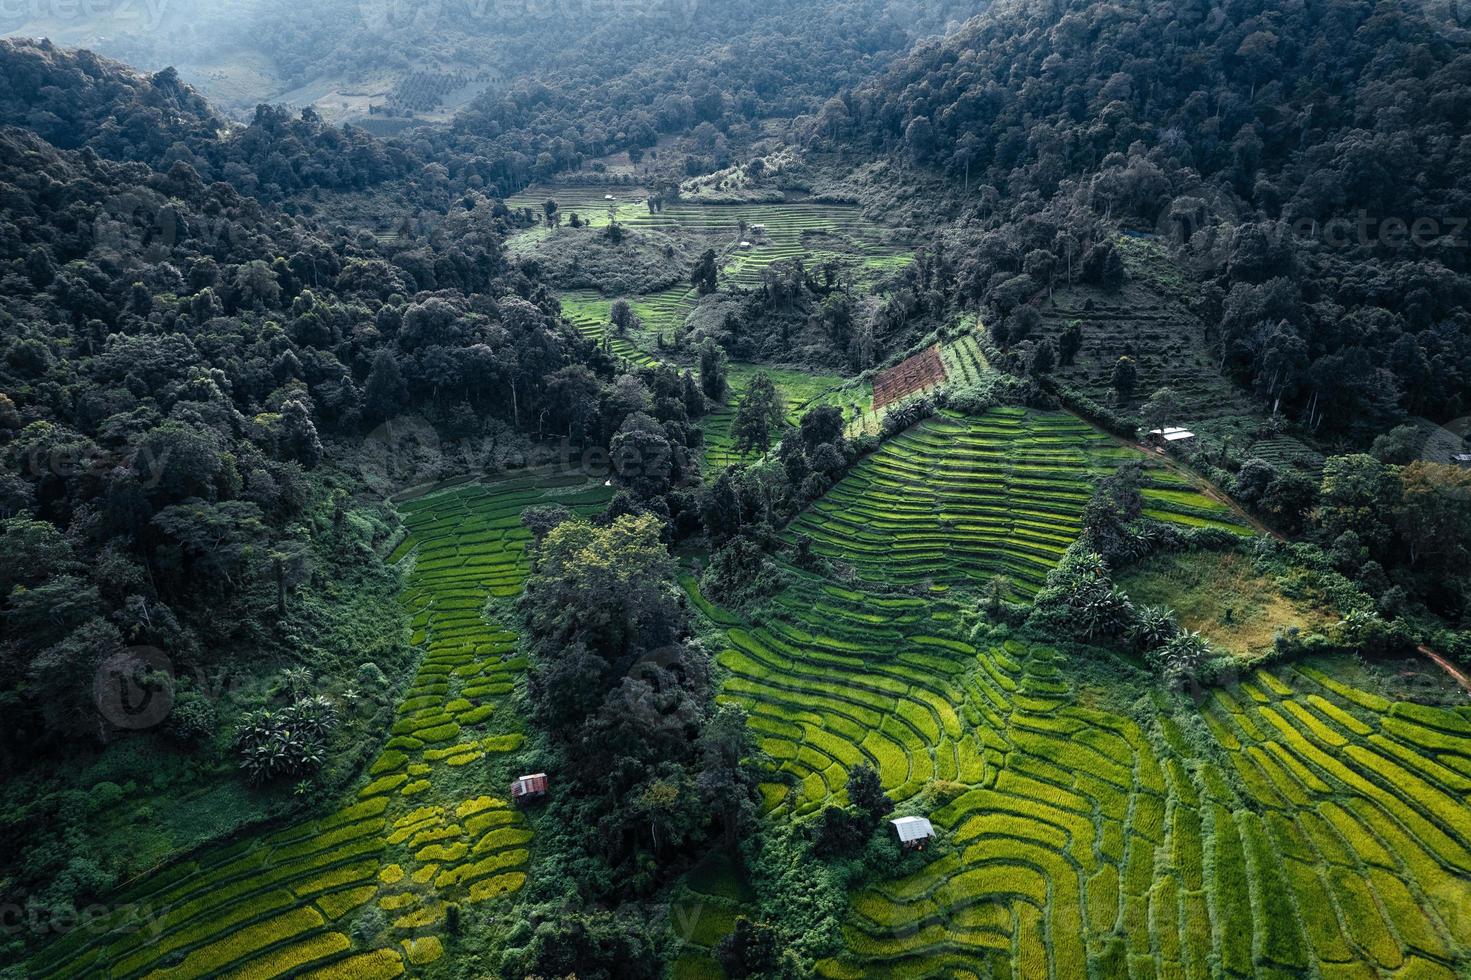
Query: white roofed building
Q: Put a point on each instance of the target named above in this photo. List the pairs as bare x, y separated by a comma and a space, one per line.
914, 832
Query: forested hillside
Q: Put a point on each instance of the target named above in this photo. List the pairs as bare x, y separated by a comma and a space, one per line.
1308, 160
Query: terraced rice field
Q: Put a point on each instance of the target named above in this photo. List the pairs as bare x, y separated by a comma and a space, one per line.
1285, 453
1295, 826
590, 314
587, 201
421, 833
814, 231
1149, 320
959, 499
703, 912
797, 390
964, 362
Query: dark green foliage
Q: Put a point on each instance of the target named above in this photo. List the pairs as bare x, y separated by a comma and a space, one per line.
591, 946
756, 949
192, 721
1081, 601
289, 741
1359, 494
759, 416
1125, 377
741, 572
713, 371
866, 793
706, 277
623, 694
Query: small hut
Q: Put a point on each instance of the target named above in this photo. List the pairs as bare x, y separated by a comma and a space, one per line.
528, 788
914, 832
1172, 438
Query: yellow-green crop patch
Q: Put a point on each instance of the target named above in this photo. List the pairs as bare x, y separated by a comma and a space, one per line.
960, 500
270, 906
1308, 827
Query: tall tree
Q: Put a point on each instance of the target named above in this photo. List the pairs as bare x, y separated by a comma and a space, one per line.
759, 416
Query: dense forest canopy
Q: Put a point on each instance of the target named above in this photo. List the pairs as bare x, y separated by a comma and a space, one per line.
1309, 160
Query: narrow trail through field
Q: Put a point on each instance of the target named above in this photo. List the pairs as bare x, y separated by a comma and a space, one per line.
1450, 668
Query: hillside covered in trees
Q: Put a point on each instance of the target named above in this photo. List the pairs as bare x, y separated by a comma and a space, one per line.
1308, 164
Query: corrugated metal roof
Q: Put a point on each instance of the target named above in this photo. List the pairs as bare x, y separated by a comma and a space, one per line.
913, 828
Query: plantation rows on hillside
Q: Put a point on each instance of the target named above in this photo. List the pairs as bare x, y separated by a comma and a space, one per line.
961, 499
813, 231
1149, 322
797, 390
430, 827
1306, 827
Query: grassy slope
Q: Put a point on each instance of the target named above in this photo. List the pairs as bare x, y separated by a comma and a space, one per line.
1222, 597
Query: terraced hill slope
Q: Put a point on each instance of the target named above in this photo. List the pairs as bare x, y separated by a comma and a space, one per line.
1291, 825
797, 390
423, 832
960, 499
1149, 320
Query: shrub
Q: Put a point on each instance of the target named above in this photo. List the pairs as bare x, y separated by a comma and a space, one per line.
192, 721
741, 572
1153, 628
1081, 601
1182, 661
290, 741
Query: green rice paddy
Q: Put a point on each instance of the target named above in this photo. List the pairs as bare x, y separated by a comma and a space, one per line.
961, 500
429, 827
1291, 826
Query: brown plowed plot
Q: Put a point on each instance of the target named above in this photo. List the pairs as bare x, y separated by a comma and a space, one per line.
921, 371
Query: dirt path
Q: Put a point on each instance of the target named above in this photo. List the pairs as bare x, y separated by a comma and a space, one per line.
1204, 486
1448, 667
